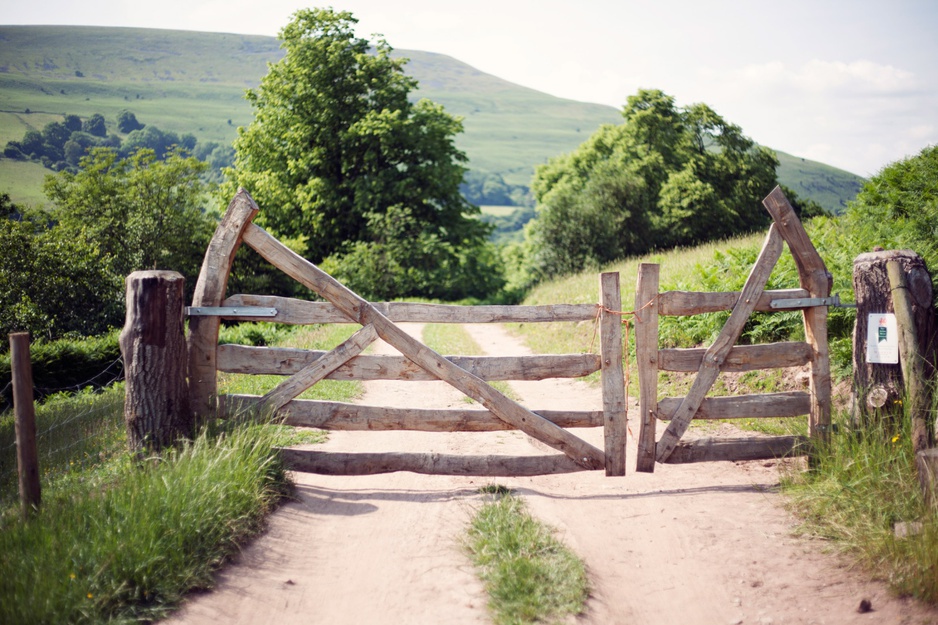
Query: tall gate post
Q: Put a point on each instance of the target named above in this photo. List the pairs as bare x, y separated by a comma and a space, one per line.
878, 386
613, 379
646, 357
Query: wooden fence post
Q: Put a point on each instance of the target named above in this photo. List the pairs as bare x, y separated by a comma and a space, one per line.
917, 396
27, 460
646, 357
613, 382
878, 387
153, 345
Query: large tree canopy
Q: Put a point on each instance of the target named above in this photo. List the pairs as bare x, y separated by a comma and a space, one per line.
665, 177
898, 208
336, 151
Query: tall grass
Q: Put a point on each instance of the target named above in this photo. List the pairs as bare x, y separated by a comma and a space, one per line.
530, 576
126, 547
120, 540
863, 484
74, 434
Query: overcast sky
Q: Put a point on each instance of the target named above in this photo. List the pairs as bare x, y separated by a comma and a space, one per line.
851, 83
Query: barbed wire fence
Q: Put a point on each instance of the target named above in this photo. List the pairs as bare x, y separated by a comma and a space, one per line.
77, 426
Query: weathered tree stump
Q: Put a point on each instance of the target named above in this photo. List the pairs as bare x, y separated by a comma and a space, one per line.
878, 388
153, 346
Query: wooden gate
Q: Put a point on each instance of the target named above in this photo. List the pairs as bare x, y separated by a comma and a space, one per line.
468, 375
813, 298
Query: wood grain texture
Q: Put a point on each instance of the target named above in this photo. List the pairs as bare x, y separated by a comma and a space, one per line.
301, 312
24, 408
336, 463
740, 358
210, 291
615, 423
817, 280
329, 415
717, 449
647, 301
767, 405
287, 361
685, 303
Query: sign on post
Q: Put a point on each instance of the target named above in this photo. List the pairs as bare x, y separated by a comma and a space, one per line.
882, 339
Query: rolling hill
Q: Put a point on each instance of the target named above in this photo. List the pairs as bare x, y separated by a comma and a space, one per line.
194, 82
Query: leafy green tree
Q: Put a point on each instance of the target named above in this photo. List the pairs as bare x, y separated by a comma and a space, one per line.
336, 148
127, 122
151, 138
50, 283
95, 126
72, 122
32, 144
136, 213
665, 177
898, 208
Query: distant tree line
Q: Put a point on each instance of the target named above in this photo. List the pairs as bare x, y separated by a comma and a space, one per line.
60, 146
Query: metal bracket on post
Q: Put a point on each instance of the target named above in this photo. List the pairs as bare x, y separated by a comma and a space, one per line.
230, 311
809, 302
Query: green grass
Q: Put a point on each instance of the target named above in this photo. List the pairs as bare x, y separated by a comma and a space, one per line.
862, 485
529, 575
74, 435
120, 540
23, 181
124, 545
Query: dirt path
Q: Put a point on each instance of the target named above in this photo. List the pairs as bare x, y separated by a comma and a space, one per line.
692, 545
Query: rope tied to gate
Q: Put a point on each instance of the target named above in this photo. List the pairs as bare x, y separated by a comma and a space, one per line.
626, 321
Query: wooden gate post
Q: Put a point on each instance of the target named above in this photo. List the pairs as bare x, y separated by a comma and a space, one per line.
646, 357
613, 382
153, 346
917, 394
27, 461
878, 387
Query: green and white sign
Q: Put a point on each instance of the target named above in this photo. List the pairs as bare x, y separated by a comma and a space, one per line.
882, 339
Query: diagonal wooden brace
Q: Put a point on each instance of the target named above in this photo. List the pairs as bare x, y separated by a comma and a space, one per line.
365, 313
716, 354
317, 370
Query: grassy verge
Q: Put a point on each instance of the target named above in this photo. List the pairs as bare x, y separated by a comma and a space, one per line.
862, 486
123, 546
529, 575
119, 540
74, 434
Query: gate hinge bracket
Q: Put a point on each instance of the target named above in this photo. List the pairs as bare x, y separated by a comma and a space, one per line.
230, 311
809, 302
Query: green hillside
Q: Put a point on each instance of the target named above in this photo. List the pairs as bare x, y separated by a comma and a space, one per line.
194, 82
